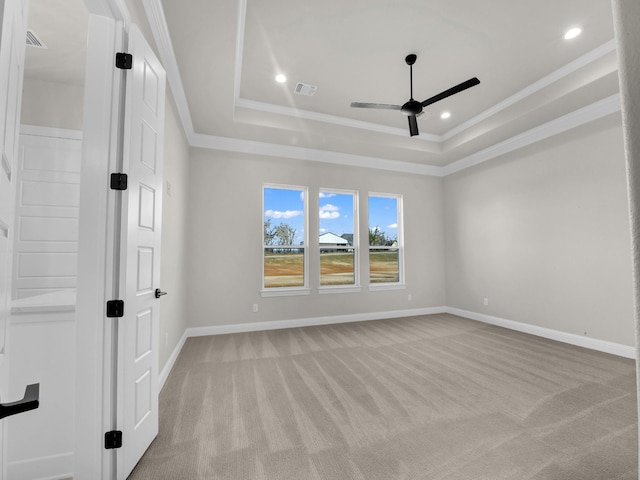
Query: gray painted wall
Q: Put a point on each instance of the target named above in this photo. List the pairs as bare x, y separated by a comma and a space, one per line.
225, 235
52, 104
544, 234
173, 314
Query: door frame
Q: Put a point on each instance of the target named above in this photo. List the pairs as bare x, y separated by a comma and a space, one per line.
98, 239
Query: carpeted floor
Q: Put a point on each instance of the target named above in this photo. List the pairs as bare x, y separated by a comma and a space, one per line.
430, 397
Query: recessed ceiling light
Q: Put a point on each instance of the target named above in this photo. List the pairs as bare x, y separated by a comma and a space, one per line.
572, 33
445, 115
280, 78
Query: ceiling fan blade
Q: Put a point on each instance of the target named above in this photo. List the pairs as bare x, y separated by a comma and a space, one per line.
413, 125
382, 106
452, 91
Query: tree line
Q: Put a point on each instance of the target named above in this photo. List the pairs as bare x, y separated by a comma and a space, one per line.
284, 234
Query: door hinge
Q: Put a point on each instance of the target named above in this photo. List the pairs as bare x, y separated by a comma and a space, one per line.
115, 308
113, 439
124, 61
119, 181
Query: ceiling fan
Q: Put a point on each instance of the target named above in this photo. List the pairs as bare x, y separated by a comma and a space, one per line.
413, 108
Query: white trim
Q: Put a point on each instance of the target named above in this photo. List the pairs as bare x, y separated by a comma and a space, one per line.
308, 322
160, 31
584, 115
92, 396
284, 291
339, 289
569, 338
381, 287
311, 154
155, 13
599, 109
332, 119
564, 337
39, 131
237, 79
544, 82
166, 370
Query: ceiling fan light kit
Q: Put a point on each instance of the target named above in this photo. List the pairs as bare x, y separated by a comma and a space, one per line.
413, 108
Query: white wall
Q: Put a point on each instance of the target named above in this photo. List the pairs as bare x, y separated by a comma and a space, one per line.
52, 104
225, 238
543, 233
173, 310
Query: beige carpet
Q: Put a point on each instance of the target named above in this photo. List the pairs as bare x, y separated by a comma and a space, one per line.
430, 397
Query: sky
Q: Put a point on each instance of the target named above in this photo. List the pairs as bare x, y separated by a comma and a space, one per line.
335, 213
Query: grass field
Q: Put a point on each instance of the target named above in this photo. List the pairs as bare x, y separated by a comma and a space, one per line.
287, 270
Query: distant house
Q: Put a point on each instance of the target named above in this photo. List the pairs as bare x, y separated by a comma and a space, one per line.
348, 237
328, 240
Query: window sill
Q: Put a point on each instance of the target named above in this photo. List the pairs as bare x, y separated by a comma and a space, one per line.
284, 292
376, 287
344, 289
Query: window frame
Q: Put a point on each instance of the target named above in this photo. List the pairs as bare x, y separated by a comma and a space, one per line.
400, 284
287, 291
355, 287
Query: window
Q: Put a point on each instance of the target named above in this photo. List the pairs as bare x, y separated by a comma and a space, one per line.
338, 238
285, 240
385, 240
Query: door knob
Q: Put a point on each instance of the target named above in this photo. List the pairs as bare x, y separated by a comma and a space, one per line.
159, 293
30, 401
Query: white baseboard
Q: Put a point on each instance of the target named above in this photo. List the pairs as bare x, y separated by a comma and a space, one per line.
42, 468
166, 370
308, 322
570, 338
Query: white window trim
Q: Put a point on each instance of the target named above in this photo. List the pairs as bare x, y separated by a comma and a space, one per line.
284, 291
400, 284
288, 291
356, 286
378, 287
330, 289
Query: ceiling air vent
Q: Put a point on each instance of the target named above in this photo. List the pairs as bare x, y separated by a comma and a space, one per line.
33, 40
305, 89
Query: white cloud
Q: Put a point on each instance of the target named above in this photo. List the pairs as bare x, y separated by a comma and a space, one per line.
329, 215
327, 195
323, 230
393, 225
278, 214
329, 208
329, 212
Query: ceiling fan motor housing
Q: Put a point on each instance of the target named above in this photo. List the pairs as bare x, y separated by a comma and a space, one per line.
412, 107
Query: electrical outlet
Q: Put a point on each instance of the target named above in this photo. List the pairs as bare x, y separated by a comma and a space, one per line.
486, 301
409, 297
168, 189
255, 308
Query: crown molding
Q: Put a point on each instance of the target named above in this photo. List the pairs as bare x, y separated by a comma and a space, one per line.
596, 110
157, 21
332, 119
160, 31
544, 82
116, 9
571, 67
310, 154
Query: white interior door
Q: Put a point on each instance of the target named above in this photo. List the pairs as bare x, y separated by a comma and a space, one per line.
140, 255
12, 47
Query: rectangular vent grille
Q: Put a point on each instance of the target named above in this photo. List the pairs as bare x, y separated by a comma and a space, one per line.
33, 40
305, 89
